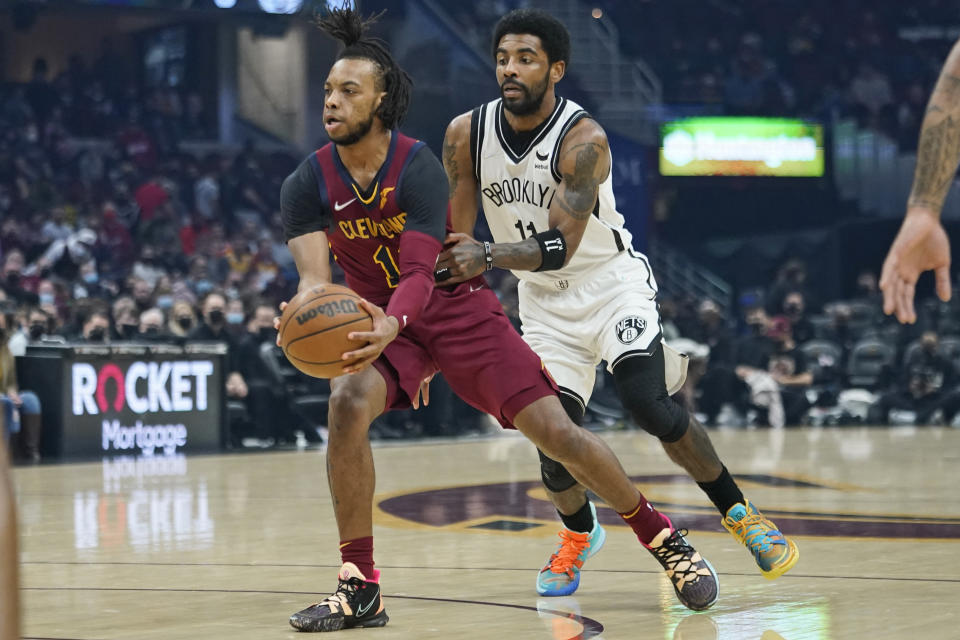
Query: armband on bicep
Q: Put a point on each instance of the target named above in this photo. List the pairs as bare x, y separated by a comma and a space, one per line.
553, 249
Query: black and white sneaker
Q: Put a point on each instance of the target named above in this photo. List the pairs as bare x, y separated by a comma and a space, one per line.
356, 603
692, 577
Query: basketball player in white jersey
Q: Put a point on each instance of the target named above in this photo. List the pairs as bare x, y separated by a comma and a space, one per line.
540, 166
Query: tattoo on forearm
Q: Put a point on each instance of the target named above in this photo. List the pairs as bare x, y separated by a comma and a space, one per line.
580, 187
937, 155
450, 164
938, 151
524, 256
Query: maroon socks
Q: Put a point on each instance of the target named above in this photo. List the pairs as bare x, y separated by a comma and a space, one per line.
359, 551
646, 521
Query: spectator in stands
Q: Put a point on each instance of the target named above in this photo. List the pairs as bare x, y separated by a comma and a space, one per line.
792, 277
152, 326
267, 401
20, 409
96, 328
11, 279
64, 257
236, 315
712, 330
788, 366
795, 310
142, 292
754, 350
923, 387
214, 329
125, 318
870, 89
183, 319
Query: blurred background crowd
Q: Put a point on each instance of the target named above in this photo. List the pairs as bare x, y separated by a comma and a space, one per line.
122, 218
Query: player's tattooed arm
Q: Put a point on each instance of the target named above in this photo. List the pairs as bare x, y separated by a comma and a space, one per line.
459, 167
938, 151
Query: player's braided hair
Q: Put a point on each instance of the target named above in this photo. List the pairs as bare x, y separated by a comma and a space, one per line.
348, 26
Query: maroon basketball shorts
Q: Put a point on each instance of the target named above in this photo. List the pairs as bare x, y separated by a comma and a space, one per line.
464, 333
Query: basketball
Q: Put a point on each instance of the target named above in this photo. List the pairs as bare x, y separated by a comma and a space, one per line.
314, 328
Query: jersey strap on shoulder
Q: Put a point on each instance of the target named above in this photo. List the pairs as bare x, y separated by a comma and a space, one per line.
477, 128
574, 118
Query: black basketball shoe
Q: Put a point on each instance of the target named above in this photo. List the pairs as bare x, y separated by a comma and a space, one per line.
356, 603
692, 577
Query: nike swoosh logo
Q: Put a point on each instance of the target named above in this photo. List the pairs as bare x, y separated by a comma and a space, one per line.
473, 288
363, 610
337, 206
543, 157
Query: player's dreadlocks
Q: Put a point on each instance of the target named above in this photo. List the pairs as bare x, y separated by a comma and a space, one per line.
349, 27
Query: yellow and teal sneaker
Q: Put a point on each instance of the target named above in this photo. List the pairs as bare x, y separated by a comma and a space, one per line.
561, 575
774, 552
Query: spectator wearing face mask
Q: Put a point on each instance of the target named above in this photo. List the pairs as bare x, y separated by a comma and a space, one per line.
125, 318
89, 285
795, 310
236, 316
754, 350
12, 281
151, 326
96, 328
267, 404
182, 321
214, 329
40, 327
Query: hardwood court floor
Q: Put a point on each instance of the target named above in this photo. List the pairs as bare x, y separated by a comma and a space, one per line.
228, 546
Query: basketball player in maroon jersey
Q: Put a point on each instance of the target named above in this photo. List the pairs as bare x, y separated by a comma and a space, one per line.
378, 200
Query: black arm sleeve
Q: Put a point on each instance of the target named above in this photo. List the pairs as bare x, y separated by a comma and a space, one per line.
425, 195
301, 207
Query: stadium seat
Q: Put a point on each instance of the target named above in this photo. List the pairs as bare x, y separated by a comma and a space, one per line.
868, 359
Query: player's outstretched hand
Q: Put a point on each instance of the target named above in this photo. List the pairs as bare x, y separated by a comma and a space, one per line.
921, 245
460, 262
276, 321
385, 329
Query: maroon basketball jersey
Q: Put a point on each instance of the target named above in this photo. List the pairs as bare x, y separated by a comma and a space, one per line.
364, 232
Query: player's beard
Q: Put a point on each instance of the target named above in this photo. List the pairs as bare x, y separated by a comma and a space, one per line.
531, 100
356, 132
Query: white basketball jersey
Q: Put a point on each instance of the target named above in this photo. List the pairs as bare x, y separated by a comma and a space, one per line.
518, 185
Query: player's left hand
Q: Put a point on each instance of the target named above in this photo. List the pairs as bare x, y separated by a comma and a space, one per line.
460, 262
385, 329
422, 398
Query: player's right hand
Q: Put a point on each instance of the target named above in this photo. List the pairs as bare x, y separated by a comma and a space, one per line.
921, 245
276, 321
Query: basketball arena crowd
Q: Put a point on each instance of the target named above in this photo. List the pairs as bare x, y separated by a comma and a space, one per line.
119, 223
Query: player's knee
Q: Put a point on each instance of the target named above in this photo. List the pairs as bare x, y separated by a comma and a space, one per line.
348, 411
555, 476
640, 385
660, 416
563, 442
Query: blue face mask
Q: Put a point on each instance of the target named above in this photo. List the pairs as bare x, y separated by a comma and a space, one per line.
164, 302
46, 298
235, 317
91, 278
203, 286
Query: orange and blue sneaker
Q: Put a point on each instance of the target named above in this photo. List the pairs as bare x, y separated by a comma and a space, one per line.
774, 552
561, 575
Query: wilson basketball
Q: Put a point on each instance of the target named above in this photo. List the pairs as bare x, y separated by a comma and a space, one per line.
314, 328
